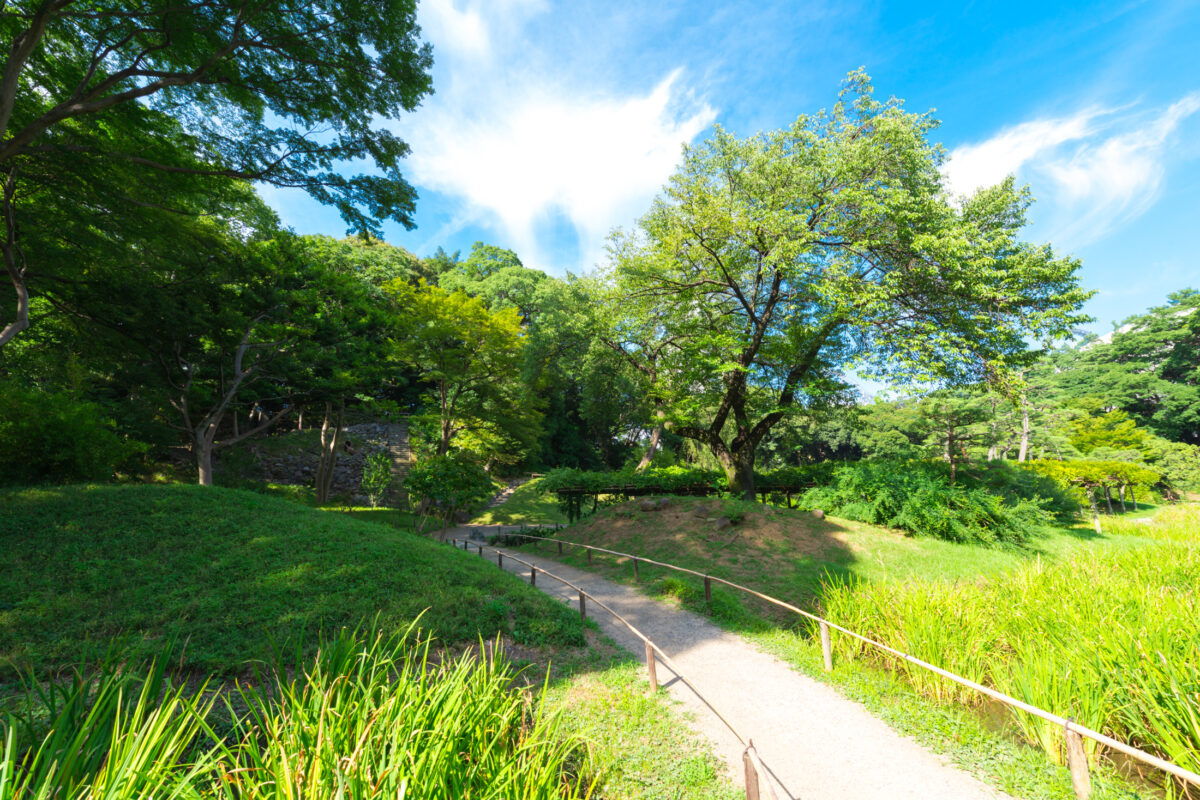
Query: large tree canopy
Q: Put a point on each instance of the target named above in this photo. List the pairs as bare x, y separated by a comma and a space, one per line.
773, 263
282, 93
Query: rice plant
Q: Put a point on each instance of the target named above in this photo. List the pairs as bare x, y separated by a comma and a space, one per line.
1108, 640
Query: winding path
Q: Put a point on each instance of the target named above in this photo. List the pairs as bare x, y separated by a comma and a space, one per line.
817, 744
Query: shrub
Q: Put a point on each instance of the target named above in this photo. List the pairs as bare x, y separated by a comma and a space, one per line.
918, 497
48, 437
445, 485
376, 477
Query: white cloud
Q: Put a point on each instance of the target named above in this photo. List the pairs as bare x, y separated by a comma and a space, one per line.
1093, 170
462, 32
518, 146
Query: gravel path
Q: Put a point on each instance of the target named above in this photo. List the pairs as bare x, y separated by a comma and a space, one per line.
817, 744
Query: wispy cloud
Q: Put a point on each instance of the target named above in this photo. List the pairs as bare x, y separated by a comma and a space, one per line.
518, 146
1092, 170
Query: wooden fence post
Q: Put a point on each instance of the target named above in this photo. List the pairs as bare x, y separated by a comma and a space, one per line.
1081, 782
589, 557
560, 548
582, 605
707, 590
751, 774
481, 551
826, 647
533, 576
636, 575
500, 560
651, 667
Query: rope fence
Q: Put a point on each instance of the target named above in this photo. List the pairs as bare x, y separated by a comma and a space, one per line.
753, 767
1076, 758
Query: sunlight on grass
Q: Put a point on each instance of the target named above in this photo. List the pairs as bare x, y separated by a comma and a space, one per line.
526, 506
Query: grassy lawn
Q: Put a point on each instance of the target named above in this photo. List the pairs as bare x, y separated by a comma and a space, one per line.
787, 554
525, 507
232, 577
228, 573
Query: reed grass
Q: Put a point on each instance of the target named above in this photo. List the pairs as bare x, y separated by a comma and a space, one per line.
1108, 639
369, 716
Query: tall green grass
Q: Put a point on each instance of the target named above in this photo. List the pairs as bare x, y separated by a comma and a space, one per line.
1110, 640
369, 716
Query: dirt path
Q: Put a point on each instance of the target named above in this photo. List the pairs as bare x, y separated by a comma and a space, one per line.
818, 744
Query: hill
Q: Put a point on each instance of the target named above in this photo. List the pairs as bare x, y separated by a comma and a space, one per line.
231, 574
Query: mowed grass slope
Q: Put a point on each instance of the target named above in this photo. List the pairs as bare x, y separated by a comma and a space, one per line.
230, 575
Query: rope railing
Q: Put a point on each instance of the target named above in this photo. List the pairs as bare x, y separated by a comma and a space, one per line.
752, 764
1077, 761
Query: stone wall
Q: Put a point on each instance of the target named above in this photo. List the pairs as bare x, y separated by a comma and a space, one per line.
300, 468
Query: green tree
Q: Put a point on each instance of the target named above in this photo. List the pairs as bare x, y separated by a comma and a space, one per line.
1150, 369
470, 358
777, 261
271, 92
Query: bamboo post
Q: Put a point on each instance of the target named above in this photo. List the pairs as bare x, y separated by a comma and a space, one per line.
636, 575
1081, 781
582, 605
651, 667
707, 590
751, 775
533, 576
826, 647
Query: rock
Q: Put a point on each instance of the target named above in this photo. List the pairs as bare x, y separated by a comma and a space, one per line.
648, 505
700, 511
723, 523
818, 513
664, 503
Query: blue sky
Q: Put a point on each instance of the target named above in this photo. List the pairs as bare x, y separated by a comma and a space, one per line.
553, 123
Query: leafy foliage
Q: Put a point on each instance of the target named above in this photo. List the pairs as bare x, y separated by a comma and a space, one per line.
773, 263
919, 498
376, 477
50, 437
443, 486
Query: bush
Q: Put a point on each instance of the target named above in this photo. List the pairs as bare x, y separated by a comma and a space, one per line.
376, 477
918, 497
445, 485
49, 437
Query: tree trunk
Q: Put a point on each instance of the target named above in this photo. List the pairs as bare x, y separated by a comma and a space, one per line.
1024, 451
204, 457
1108, 499
300, 420
1121, 492
739, 470
648, 456
447, 435
1091, 495
329, 452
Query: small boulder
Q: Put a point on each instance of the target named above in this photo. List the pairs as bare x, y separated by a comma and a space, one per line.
664, 502
648, 505
723, 523
700, 511
818, 513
